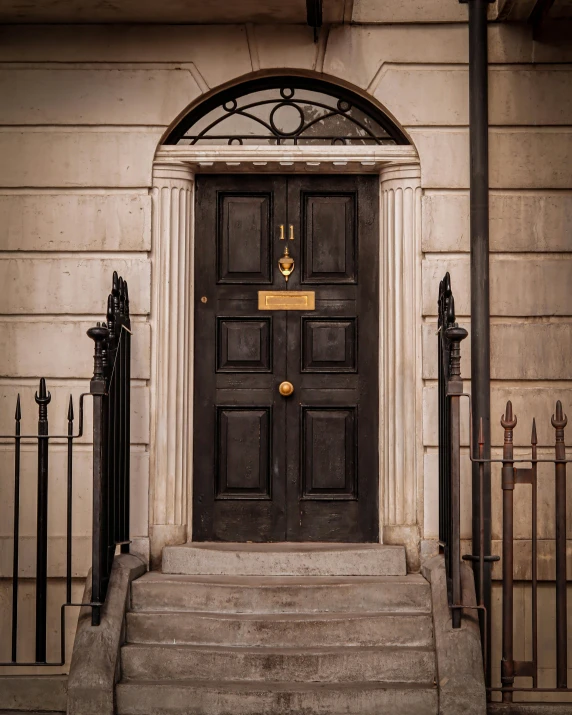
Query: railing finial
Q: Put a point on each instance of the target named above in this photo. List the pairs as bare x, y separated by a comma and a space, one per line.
508, 422
99, 335
559, 421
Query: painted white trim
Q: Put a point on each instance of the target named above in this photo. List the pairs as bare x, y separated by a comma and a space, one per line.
401, 452
362, 159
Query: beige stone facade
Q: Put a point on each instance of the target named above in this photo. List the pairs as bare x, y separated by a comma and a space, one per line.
83, 112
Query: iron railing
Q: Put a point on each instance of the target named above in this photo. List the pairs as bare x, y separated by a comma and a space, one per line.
110, 390
450, 390
450, 387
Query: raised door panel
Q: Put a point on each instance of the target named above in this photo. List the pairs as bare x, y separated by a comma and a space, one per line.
243, 238
329, 345
244, 345
329, 453
243, 452
329, 238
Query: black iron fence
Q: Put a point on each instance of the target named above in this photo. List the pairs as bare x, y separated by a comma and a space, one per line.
515, 471
110, 391
450, 387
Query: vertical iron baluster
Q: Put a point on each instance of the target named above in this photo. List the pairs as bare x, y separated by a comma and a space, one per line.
481, 601
114, 329
559, 422
440, 391
455, 335
42, 399
120, 418
534, 480
99, 335
69, 504
127, 387
16, 544
508, 423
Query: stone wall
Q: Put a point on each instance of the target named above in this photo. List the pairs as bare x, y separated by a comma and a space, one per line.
82, 112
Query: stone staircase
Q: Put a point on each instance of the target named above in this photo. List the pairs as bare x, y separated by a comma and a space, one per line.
279, 629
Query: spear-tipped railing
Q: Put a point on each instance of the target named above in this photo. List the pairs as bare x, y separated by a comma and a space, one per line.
516, 471
110, 391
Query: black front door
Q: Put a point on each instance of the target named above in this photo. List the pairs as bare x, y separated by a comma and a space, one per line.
301, 467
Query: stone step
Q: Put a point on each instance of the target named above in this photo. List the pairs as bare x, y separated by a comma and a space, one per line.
272, 594
193, 698
280, 630
285, 559
33, 693
330, 665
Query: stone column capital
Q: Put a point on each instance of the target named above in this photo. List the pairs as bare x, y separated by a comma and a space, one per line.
404, 175
164, 173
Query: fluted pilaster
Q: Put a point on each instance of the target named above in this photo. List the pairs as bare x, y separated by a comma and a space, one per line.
400, 351
171, 444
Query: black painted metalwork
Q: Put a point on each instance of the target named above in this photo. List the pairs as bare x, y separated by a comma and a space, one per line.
450, 386
480, 309
314, 15
110, 390
286, 111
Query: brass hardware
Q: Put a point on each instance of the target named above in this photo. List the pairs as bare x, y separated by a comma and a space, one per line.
286, 300
291, 232
204, 299
286, 263
281, 231
286, 388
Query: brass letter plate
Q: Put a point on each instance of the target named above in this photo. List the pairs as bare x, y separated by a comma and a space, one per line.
286, 300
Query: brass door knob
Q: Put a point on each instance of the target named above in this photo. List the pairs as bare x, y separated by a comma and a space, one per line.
286, 388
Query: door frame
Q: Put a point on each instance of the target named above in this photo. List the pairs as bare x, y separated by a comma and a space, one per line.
400, 321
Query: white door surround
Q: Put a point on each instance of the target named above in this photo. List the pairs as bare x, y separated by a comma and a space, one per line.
400, 323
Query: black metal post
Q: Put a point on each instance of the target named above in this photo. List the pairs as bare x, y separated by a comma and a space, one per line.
98, 385
16, 545
69, 522
508, 423
480, 309
559, 422
42, 399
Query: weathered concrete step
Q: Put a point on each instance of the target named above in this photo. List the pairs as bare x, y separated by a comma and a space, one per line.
280, 630
331, 665
273, 594
192, 698
33, 693
285, 559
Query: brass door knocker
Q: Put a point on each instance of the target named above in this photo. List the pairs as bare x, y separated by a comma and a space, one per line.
286, 262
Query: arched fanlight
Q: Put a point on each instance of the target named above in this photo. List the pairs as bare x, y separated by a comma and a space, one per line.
286, 111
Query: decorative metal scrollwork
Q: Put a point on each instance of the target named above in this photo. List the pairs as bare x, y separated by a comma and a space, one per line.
286, 111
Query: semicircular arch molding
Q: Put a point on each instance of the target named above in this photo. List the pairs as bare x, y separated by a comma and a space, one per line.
286, 109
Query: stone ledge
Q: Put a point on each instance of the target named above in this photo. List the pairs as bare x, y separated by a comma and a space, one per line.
95, 661
459, 661
33, 693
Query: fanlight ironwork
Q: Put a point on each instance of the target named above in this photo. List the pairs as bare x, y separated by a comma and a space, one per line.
283, 111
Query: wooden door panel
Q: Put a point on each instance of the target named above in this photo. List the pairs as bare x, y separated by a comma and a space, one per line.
329, 444
332, 486
328, 237
243, 444
329, 345
243, 238
244, 344
239, 425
